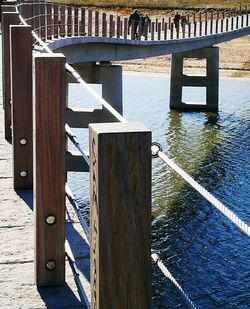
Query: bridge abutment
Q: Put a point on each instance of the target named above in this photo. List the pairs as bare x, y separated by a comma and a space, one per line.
210, 81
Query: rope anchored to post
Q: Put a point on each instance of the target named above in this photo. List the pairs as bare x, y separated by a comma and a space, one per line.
157, 152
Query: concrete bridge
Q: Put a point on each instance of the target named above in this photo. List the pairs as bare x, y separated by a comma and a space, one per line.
35, 112
85, 39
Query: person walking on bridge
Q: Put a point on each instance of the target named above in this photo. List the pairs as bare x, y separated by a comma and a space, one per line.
177, 18
133, 21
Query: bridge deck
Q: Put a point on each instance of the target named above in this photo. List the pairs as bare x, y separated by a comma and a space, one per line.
17, 285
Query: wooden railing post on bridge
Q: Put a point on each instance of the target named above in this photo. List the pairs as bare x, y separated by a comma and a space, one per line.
120, 175
21, 98
49, 168
8, 18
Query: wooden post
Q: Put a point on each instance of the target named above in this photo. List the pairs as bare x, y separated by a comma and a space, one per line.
120, 195
42, 21
49, 168
8, 18
21, 97
118, 27
165, 31
177, 30
104, 24
111, 28
49, 20
195, 28
125, 28
56, 21
69, 21
206, 23
82, 23
159, 31
237, 22
171, 31
89, 22
76, 21
152, 30
97, 23
227, 19
200, 30
211, 22
189, 30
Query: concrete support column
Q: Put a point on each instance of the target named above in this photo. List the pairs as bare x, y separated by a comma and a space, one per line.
210, 81
110, 77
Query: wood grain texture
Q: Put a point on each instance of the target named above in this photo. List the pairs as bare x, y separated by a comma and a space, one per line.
120, 173
49, 170
8, 18
21, 97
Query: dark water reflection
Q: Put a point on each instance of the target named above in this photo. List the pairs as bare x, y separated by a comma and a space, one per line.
205, 252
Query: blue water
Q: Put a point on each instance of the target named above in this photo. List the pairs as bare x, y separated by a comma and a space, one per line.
206, 253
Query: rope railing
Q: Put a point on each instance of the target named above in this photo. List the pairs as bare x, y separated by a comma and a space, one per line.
76, 273
74, 140
157, 152
157, 259
77, 209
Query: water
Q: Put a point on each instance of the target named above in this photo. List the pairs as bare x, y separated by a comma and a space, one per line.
204, 251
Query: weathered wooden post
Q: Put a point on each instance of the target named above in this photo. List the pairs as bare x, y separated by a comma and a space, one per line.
97, 23
89, 22
42, 21
125, 28
217, 22
82, 22
195, 28
211, 22
152, 30
111, 25
49, 20
118, 27
8, 18
120, 194
62, 21
200, 24
104, 24
21, 97
171, 31
69, 21
206, 23
76, 20
159, 31
49, 168
165, 31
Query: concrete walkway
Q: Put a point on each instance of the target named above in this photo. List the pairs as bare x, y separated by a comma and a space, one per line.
17, 286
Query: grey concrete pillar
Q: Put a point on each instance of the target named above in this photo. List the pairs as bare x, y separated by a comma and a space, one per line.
210, 81
110, 77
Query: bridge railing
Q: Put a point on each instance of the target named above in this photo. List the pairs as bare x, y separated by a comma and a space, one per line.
51, 20
120, 172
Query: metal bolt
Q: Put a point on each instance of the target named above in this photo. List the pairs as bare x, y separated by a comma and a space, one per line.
50, 265
50, 219
23, 174
23, 141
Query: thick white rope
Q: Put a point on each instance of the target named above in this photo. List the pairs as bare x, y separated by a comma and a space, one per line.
157, 259
208, 196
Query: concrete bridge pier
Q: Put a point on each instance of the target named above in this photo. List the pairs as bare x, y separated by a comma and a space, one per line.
210, 81
106, 74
